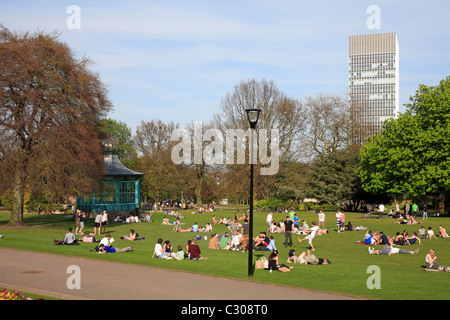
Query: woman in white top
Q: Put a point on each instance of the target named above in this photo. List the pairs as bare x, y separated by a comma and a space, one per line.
430, 259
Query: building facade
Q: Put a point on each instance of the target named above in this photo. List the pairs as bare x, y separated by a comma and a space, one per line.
373, 82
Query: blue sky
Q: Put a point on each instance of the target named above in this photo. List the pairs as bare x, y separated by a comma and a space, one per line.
175, 60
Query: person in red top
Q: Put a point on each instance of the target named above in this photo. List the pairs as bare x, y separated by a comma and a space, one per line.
194, 251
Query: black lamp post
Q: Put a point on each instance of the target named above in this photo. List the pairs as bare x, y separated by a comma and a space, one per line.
252, 115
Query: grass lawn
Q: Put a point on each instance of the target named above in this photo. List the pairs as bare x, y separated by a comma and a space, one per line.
401, 275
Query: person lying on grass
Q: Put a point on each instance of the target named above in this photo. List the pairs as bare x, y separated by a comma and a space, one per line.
106, 249
389, 250
306, 258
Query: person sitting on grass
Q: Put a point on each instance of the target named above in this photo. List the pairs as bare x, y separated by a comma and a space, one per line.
168, 248
261, 240
413, 239
131, 236
225, 242
431, 259
368, 237
443, 233
430, 233
214, 241
270, 247
194, 251
69, 239
159, 252
179, 255
275, 265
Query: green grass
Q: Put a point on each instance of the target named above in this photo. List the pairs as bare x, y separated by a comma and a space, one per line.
401, 275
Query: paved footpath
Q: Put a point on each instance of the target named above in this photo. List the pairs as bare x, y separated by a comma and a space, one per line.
47, 274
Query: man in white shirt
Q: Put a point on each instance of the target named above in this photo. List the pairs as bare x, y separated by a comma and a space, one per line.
159, 250
321, 219
269, 221
311, 236
380, 211
107, 240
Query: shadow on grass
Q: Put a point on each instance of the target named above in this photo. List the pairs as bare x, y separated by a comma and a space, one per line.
35, 220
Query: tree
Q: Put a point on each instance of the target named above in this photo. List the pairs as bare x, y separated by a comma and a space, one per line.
332, 176
411, 155
50, 103
278, 112
328, 125
123, 138
153, 137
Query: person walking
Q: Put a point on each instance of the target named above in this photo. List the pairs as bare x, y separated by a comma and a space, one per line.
425, 212
415, 210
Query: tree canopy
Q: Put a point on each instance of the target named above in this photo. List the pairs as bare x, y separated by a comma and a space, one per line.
50, 103
411, 155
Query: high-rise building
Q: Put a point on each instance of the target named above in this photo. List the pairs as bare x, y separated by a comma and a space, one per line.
373, 82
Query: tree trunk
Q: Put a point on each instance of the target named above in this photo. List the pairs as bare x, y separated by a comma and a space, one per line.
442, 203
198, 193
18, 197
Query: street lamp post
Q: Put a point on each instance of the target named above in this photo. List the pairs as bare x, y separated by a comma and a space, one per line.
252, 115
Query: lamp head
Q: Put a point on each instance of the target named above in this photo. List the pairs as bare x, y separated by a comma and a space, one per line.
253, 115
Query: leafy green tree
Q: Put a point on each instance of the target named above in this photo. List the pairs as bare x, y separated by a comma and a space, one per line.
411, 155
333, 178
123, 137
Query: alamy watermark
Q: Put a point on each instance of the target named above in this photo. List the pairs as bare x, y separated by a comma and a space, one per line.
74, 280
74, 20
374, 281
213, 147
374, 20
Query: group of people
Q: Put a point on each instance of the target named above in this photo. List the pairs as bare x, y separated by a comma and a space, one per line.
194, 228
105, 244
133, 218
236, 239
237, 236
100, 222
228, 221
165, 251
409, 210
379, 238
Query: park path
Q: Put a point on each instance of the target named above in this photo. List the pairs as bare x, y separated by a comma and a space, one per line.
47, 274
